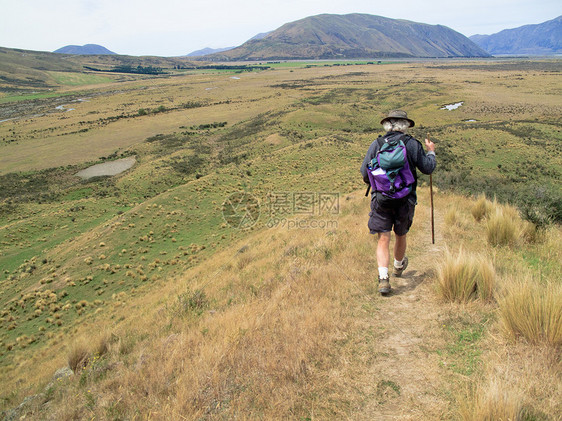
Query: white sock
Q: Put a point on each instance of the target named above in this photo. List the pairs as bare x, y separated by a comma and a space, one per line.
383, 272
398, 263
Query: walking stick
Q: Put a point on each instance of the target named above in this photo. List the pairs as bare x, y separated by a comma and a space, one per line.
431, 199
432, 223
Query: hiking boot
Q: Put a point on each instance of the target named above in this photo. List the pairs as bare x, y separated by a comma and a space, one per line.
384, 286
398, 271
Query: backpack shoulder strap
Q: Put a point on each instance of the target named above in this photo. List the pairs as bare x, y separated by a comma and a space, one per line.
380, 142
405, 138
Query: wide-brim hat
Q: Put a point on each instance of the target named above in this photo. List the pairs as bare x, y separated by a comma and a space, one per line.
399, 114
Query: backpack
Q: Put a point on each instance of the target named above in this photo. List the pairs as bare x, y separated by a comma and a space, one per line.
389, 171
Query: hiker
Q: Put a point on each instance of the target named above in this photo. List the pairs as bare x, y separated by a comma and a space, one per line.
393, 198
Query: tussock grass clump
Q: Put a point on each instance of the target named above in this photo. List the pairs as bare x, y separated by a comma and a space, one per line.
101, 344
81, 351
491, 403
533, 311
464, 277
78, 356
482, 208
452, 217
503, 227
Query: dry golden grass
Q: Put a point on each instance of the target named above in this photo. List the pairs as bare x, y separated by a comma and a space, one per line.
289, 328
78, 356
481, 208
491, 402
262, 347
463, 277
452, 217
101, 344
503, 227
533, 311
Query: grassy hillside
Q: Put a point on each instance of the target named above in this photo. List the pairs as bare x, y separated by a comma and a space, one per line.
354, 36
289, 324
156, 255
24, 72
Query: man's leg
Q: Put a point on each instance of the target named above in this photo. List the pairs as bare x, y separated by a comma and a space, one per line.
383, 260
400, 259
402, 225
383, 249
400, 247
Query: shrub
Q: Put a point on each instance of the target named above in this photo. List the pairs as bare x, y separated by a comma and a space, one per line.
540, 204
187, 165
529, 232
464, 277
533, 311
191, 302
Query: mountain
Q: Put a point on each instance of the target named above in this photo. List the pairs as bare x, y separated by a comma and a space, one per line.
540, 39
260, 35
354, 36
85, 50
207, 51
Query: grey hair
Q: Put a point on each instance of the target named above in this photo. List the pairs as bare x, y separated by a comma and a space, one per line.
396, 125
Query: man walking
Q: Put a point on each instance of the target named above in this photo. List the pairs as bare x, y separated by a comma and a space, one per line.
394, 209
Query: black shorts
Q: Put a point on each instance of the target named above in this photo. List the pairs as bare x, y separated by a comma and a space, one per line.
399, 215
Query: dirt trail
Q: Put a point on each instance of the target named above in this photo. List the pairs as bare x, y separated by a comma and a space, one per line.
406, 378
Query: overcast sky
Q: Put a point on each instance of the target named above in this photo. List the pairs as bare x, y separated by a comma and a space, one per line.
178, 27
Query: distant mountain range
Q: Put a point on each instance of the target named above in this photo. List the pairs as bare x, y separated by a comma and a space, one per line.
541, 39
368, 36
354, 36
207, 51
86, 50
